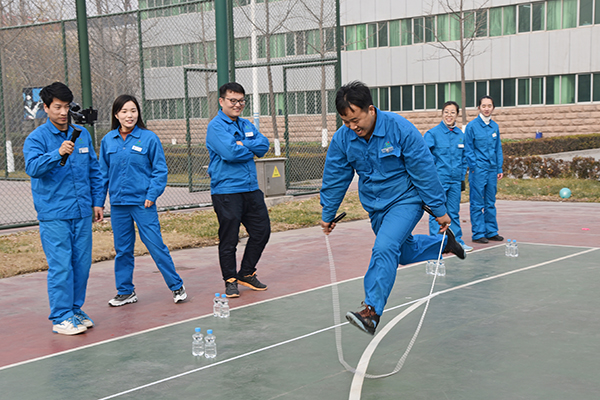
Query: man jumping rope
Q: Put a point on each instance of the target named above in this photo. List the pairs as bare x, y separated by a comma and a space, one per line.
397, 176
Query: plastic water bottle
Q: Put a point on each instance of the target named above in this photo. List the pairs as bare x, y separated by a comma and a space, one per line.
224, 306
210, 345
441, 270
515, 249
197, 343
429, 269
217, 305
508, 249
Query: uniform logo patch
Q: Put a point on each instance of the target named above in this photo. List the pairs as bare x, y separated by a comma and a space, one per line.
387, 148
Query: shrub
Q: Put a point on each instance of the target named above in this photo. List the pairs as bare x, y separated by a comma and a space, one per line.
542, 167
530, 147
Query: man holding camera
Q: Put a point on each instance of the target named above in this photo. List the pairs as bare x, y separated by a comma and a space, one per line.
66, 197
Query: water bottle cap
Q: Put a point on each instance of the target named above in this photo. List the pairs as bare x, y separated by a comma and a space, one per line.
217, 295
508, 240
209, 332
224, 296
514, 241
198, 330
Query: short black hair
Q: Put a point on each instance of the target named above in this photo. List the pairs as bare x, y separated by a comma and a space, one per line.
486, 97
232, 87
56, 90
354, 93
451, 103
118, 105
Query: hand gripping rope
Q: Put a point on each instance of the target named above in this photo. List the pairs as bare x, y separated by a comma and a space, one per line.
336, 309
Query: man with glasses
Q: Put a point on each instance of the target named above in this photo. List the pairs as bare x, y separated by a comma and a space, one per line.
232, 144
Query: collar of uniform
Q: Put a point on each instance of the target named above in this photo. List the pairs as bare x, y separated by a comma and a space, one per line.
448, 130
136, 132
52, 128
481, 122
226, 118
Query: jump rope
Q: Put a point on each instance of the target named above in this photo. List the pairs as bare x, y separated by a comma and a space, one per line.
336, 308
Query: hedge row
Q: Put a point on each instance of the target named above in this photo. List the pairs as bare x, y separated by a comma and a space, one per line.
551, 145
542, 167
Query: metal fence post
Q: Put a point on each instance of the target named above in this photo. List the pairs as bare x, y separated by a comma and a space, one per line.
222, 42
84, 61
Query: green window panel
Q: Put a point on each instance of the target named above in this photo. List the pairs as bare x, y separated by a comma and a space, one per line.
395, 98
279, 103
596, 88
264, 104
443, 90
454, 25
419, 97
247, 111
261, 43
277, 45
455, 93
481, 22
597, 12
242, 49
481, 91
382, 34
537, 91
442, 28
301, 103
430, 97
524, 18
313, 102
510, 20
177, 56
496, 91
523, 91
509, 92
361, 37
313, 42
406, 36
172, 105
584, 88
301, 43
469, 23
419, 30
553, 15
429, 29
291, 103
538, 16
331, 94
569, 14
553, 90
372, 35
180, 110
586, 12
567, 89
407, 98
384, 102
374, 97
394, 28
496, 21
330, 39
470, 94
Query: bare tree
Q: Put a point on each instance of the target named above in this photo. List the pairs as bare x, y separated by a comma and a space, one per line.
470, 22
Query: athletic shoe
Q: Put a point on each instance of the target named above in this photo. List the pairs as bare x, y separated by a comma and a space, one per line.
496, 238
452, 246
231, 288
481, 240
365, 319
69, 326
122, 299
467, 248
252, 282
179, 295
84, 319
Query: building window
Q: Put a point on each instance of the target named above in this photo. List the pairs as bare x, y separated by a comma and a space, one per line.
586, 12
569, 14
597, 12
395, 98
481, 91
470, 94
374, 97
290, 44
419, 97
584, 88
442, 28
430, 97
469, 23
553, 15
523, 91
537, 90
384, 102
567, 89
406, 35
596, 88
394, 27
508, 92
537, 17
407, 98
419, 30
496, 21
553, 90
496, 90
372, 36
524, 18
481, 23
430, 29
454, 25
382, 34
510, 20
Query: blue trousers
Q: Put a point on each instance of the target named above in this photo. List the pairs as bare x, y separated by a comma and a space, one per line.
146, 219
395, 245
452, 190
67, 244
482, 197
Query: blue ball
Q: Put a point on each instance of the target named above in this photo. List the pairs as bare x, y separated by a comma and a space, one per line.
565, 193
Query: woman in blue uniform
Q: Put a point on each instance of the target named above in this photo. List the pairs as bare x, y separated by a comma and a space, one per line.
447, 144
134, 172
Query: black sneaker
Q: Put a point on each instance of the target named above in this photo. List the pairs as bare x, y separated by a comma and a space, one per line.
252, 282
231, 288
179, 295
452, 246
481, 240
365, 319
496, 238
122, 299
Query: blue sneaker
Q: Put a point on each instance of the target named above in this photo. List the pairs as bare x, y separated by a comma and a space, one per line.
467, 248
84, 319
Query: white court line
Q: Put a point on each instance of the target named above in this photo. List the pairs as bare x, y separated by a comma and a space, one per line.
361, 369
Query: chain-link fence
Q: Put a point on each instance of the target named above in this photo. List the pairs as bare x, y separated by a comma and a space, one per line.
164, 53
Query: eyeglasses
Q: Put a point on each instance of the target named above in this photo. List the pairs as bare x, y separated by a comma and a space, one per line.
234, 102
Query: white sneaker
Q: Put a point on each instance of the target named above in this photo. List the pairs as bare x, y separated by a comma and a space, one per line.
69, 326
179, 295
467, 248
84, 319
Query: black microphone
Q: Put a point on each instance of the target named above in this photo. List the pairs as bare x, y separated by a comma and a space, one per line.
76, 133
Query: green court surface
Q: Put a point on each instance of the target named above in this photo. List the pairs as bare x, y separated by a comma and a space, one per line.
496, 328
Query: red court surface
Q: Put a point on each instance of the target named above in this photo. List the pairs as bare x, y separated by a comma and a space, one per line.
293, 261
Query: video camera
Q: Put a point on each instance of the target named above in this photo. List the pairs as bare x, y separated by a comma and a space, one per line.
83, 117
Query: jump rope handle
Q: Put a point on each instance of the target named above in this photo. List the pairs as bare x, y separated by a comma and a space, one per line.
428, 210
338, 218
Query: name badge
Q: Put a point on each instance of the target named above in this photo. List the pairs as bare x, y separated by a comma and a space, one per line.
136, 148
461, 145
249, 134
83, 150
494, 134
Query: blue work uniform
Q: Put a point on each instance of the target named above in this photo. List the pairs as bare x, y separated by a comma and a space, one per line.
135, 170
64, 198
234, 190
396, 176
484, 158
448, 149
